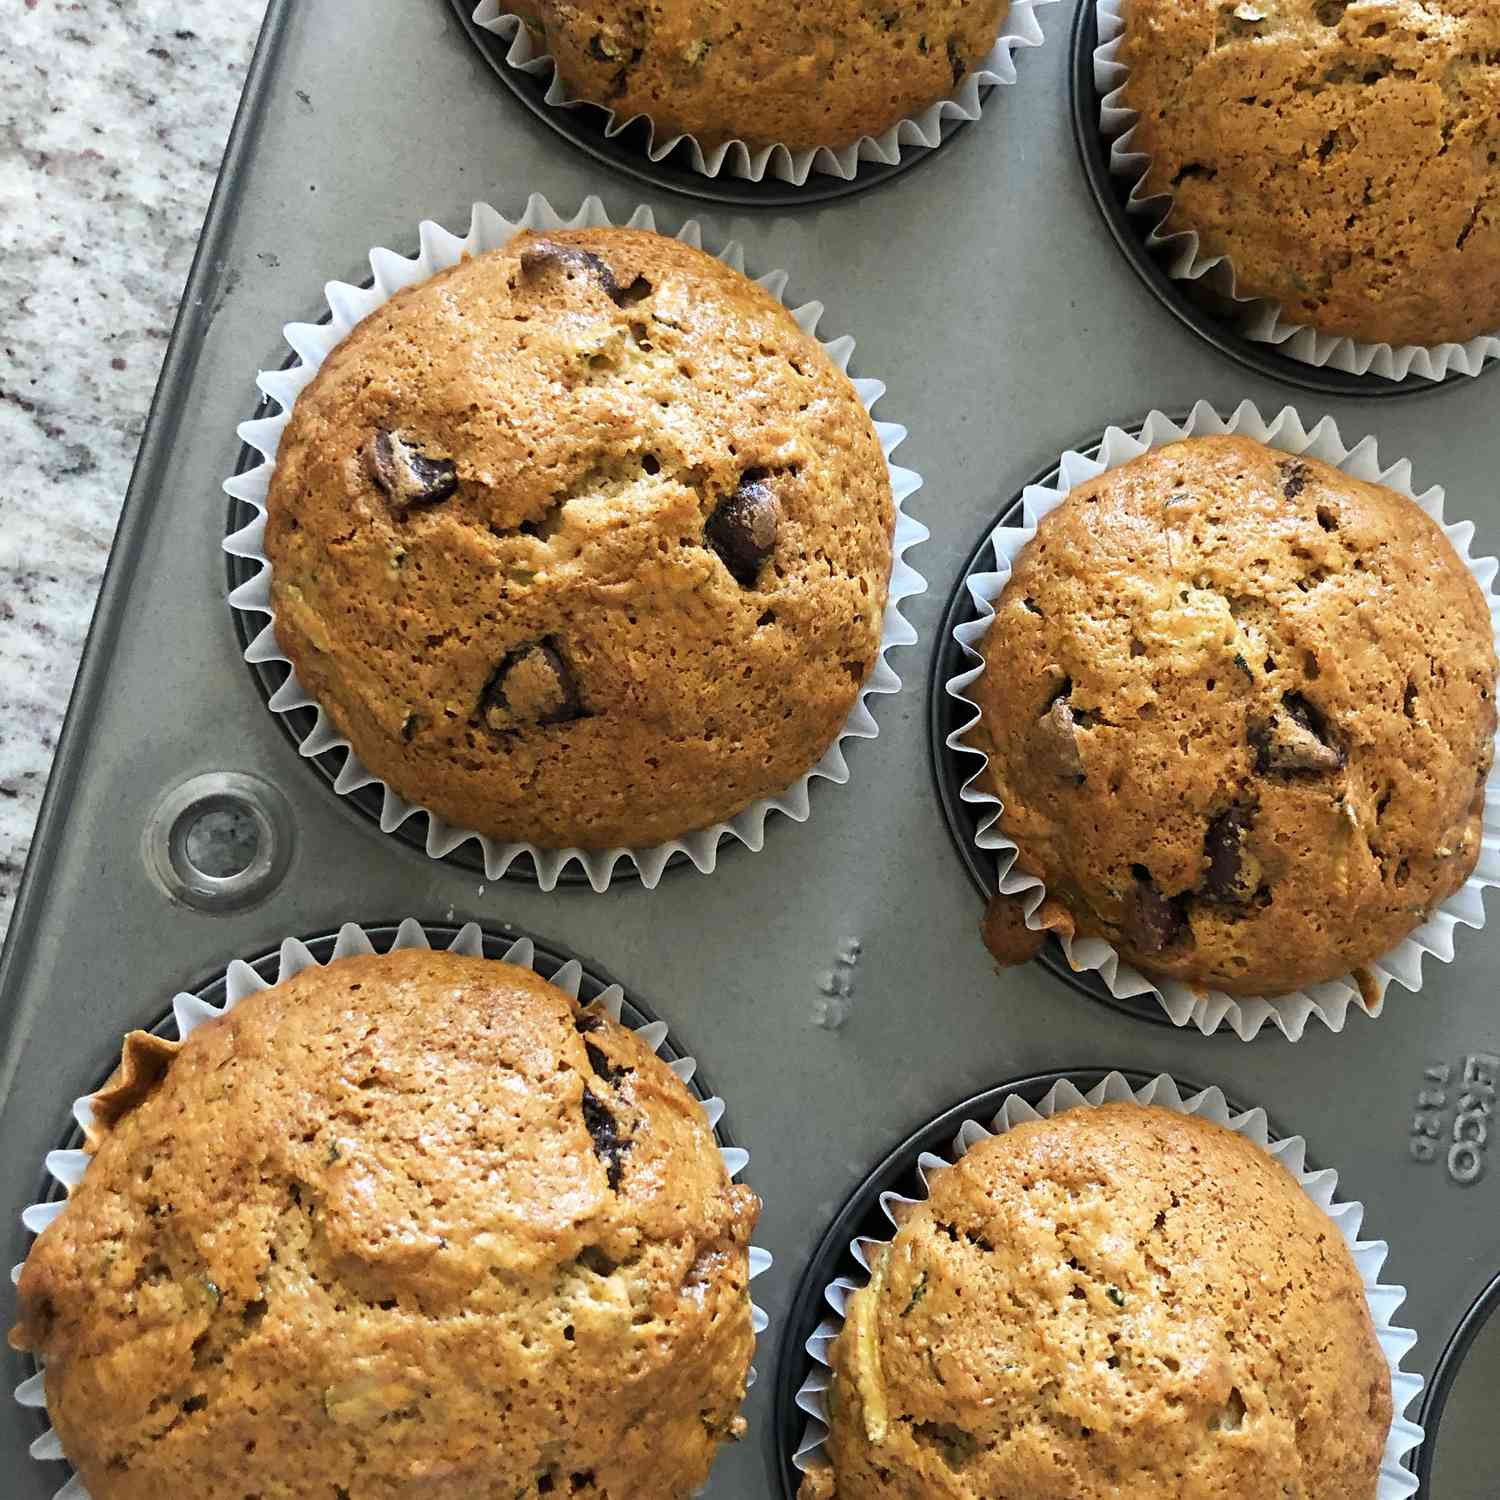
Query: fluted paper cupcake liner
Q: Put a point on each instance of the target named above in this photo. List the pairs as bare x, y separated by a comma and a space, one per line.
1330, 1002
1182, 252
313, 342
1396, 1480
736, 158
67, 1168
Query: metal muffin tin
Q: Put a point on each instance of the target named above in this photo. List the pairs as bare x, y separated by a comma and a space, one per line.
988, 296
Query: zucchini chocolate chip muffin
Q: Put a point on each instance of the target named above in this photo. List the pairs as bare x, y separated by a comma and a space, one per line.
1120, 1301
583, 542
405, 1225
1344, 157
1239, 710
767, 72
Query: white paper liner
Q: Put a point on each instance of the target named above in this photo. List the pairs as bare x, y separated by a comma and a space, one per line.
240, 981
1396, 1479
1332, 1002
1261, 318
737, 159
313, 342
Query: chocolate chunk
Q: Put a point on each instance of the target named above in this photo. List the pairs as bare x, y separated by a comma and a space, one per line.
1233, 871
1295, 739
592, 1258
532, 685
604, 1069
742, 528
406, 474
1056, 739
1153, 922
609, 1145
1294, 479
956, 60
542, 256
587, 1021
1006, 934
637, 291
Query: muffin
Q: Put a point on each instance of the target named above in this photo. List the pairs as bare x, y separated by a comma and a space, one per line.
411, 1224
582, 542
1113, 1301
770, 72
1344, 157
1239, 713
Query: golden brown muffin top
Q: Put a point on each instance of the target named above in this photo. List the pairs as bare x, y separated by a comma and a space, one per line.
1239, 709
582, 542
1115, 1301
767, 71
404, 1225
1345, 157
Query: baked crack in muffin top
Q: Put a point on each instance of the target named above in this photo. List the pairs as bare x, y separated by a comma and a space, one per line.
767, 71
410, 1225
1239, 710
1114, 1301
1345, 157
583, 542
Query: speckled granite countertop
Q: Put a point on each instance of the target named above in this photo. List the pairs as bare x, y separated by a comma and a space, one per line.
113, 116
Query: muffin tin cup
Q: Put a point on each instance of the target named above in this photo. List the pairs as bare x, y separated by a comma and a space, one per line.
781, 162
1332, 1002
313, 342
65, 1168
1397, 1479
1259, 319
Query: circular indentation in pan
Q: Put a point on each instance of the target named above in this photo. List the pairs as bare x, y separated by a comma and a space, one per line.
1176, 295
950, 769
1445, 1376
220, 841
583, 125
862, 1215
